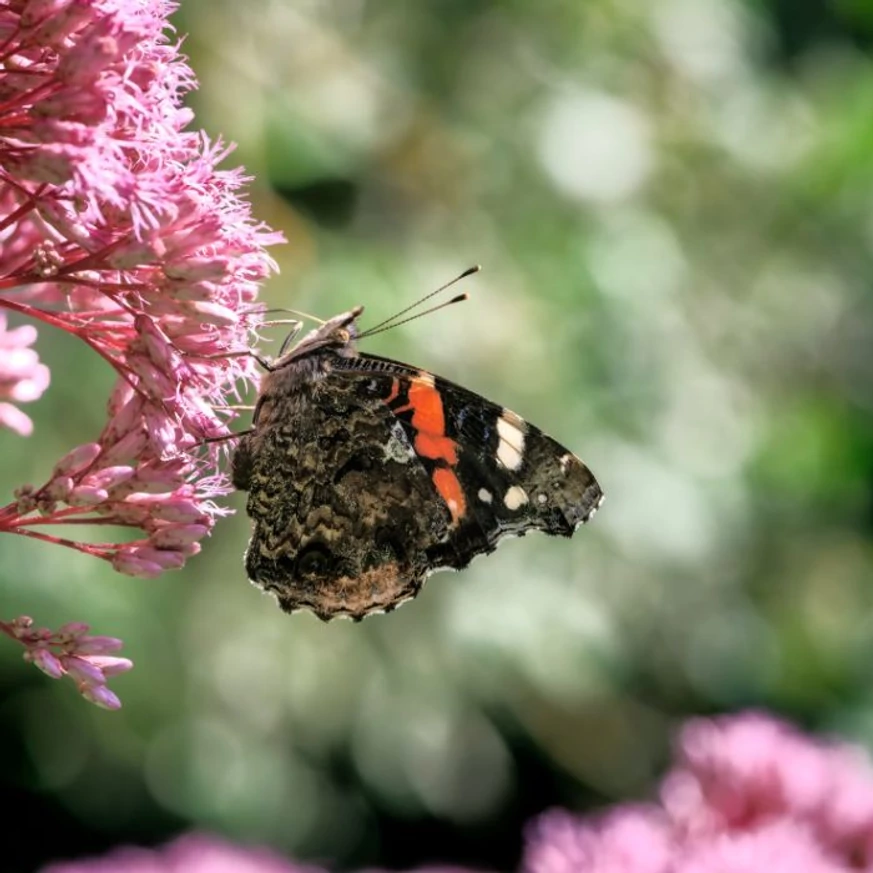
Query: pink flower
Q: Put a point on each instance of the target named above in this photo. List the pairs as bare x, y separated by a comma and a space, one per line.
192, 853
71, 651
783, 847
635, 839
748, 793
749, 764
751, 770
198, 853
118, 228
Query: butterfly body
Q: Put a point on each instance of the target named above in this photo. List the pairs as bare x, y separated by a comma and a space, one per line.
364, 475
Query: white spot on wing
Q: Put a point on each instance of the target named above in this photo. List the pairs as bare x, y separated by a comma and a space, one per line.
398, 448
515, 498
510, 449
485, 495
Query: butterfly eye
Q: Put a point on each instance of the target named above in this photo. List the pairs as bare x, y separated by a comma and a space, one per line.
314, 560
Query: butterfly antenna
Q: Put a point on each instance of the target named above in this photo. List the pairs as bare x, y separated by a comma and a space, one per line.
382, 325
390, 326
287, 311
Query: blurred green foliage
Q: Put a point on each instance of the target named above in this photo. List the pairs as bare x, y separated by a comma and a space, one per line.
673, 205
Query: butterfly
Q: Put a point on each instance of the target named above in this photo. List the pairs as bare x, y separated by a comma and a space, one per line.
365, 475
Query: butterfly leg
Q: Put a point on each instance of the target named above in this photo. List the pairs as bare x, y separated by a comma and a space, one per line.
263, 362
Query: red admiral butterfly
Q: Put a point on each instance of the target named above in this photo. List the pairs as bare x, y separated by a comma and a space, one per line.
365, 475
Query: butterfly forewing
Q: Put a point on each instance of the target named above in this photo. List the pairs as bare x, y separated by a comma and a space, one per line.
497, 474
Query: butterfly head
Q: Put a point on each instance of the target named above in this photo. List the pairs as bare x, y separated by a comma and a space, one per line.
337, 334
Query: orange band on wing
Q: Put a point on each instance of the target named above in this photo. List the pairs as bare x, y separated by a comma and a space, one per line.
429, 422
449, 488
439, 448
427, 408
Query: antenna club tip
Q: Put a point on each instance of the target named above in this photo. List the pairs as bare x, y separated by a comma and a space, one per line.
470, 270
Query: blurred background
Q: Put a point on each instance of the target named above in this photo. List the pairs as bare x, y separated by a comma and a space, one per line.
673, 206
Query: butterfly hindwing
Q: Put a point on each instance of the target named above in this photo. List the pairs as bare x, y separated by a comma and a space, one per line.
342, 511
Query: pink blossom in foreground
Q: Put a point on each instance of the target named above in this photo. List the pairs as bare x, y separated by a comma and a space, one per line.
72, 651
198, 853
748, 793
117, 228
192, 853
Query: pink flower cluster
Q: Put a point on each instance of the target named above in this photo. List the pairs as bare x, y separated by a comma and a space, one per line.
117, 227
71, 651
198, 853
747, 793
192, 853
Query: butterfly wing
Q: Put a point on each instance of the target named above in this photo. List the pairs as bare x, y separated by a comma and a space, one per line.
343, 513
497, 474
365, 481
